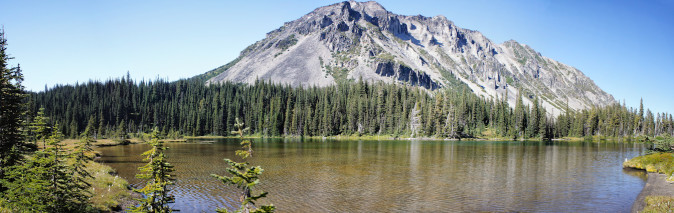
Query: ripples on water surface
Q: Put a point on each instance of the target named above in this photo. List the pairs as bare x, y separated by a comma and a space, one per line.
405, 176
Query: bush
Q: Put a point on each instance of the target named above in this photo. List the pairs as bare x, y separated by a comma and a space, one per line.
662, 144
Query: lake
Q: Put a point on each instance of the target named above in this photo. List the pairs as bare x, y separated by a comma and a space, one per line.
404, 176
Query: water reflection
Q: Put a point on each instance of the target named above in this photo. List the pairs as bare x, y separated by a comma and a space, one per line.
366, 176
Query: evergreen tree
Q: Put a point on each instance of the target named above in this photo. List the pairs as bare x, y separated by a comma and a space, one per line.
12, 110
45, 182
101, 127
520, 113
157, 172
592, 122
186, 107
243, 177
120, 133
543, 131
82, 156
639, 118
39, 129
415, 121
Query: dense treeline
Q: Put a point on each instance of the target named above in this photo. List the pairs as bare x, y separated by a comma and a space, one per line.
615, 121
188, 107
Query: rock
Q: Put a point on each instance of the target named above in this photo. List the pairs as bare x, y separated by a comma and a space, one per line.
368, 41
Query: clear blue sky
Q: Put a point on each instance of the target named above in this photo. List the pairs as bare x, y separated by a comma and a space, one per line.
625, 46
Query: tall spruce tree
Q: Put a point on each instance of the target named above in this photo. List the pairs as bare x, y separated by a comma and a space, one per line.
82, 155
12, 110
46, 183
243, 177
39, 129
157, 172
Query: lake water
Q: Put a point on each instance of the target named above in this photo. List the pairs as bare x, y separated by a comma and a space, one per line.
404, 176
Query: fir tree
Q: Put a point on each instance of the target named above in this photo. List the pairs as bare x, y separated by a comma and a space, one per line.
101, 127
157, 172
39, 128
46, 183
185, 107
12, 110
243, 177
120, 133
82, 156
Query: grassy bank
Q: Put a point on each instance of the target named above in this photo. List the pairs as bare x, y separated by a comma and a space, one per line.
660, 159
109, 191
111, 142
660, 162
659, 204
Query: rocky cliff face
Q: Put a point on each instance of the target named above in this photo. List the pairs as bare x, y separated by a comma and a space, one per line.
351, 40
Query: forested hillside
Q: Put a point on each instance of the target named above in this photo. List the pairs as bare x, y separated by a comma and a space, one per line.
189, 107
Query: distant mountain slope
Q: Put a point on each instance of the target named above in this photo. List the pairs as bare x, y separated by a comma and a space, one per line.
350, 40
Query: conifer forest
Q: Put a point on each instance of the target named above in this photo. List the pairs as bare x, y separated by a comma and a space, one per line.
189, 107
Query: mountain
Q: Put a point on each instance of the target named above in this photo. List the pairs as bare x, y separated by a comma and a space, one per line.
352, 40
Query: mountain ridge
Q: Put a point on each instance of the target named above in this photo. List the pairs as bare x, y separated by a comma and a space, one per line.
351, 40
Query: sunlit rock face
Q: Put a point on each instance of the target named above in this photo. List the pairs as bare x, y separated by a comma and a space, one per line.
352, 40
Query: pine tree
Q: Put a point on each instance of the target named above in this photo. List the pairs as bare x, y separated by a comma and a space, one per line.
592, 122
12, 110
186, 107
45, 182
67, 193
535, 119
157, 172
415, 120
243, 177
520, 116
543, 124
638, 120
101, 127
438, 114
73, 128
39, 128
82, 156
120, 133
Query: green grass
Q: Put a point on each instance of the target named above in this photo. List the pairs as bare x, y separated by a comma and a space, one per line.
109, 191
657, 162
208, 137
659, 204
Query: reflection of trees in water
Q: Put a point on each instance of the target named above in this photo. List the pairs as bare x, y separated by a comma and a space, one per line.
640, 173
409, 176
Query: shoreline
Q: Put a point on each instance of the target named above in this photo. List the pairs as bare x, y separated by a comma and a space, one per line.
656, 185
391, 137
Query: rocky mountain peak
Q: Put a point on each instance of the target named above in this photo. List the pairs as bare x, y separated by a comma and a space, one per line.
351, 40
